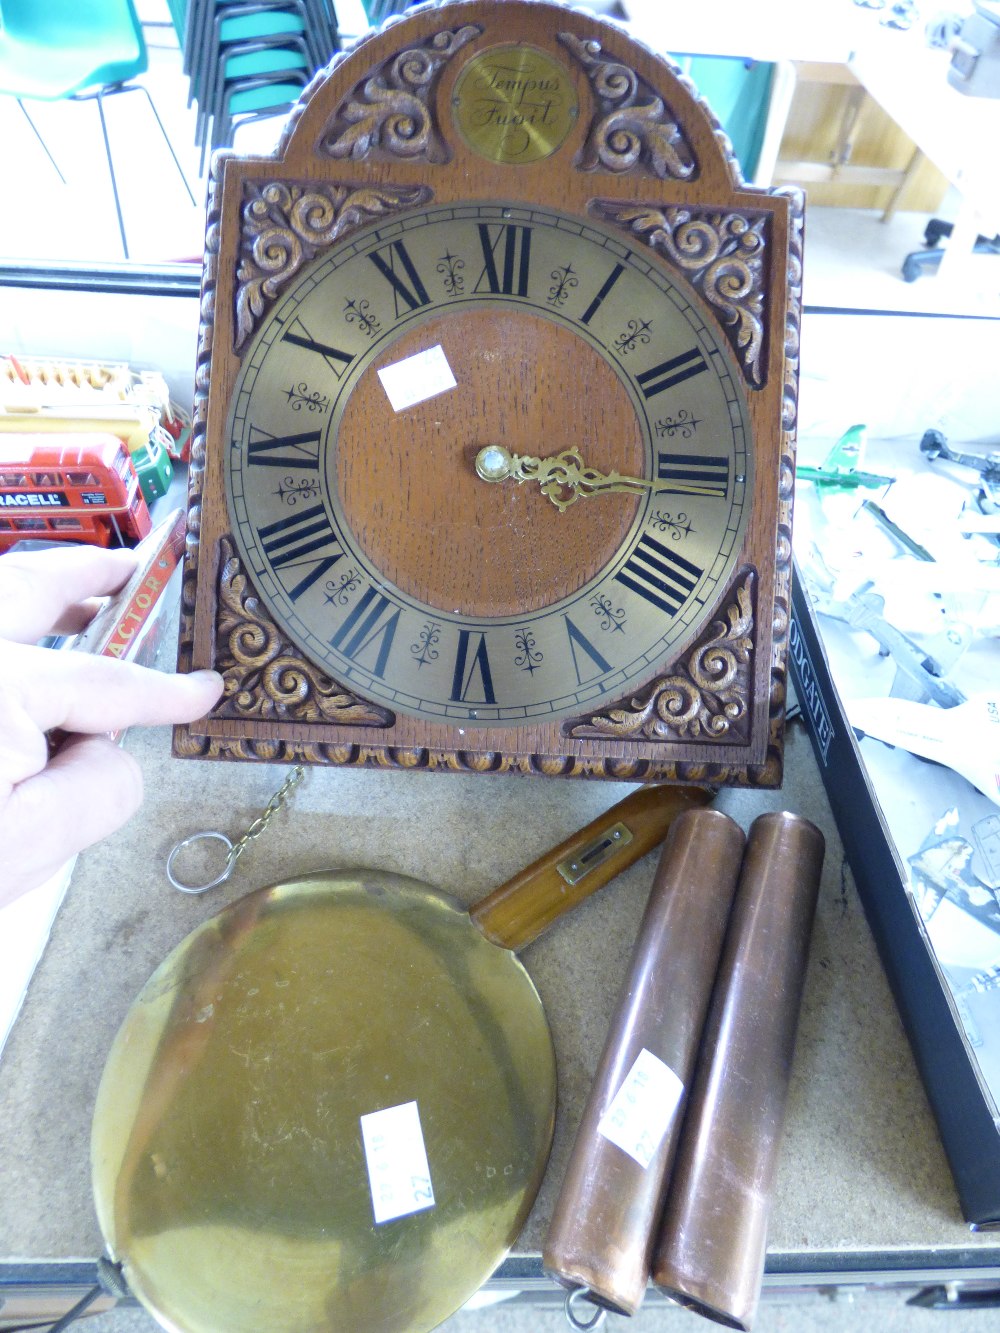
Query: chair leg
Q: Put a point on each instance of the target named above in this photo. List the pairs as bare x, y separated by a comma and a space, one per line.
166, 140
99, 98
41, 141
111, 168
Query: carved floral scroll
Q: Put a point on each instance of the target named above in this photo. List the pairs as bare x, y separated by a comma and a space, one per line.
267, 677
390, 111
704, 698
722, 255
284, 225
633, 128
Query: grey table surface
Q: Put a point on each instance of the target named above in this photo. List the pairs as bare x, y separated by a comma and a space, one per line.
862, 1169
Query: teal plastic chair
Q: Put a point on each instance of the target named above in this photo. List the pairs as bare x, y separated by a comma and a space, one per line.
214, 23
236, 46
256, 100
739, 92
249, 65
211, 24
377, 10
51, 50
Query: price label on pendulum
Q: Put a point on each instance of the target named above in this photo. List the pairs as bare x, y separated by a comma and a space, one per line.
642, 1109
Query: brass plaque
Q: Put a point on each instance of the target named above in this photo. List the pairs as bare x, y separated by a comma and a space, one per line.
515, 104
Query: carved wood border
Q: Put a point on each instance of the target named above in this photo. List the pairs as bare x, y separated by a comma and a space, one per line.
723, 257
708, 774
389, 113
286, 224
781, 625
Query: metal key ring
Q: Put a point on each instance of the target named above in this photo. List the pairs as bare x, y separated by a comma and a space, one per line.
219, 879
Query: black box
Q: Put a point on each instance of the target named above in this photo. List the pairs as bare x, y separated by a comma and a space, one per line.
942, 1010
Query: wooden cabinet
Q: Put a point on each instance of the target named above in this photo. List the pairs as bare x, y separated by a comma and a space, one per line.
846, 151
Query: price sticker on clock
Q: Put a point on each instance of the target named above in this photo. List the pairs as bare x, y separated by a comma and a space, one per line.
416, 378
399, 1176
642, 1109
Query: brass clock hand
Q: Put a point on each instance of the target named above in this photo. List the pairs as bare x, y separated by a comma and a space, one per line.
566, 478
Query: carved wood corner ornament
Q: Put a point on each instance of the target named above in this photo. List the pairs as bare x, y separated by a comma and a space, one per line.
287, 224
633, 129
722, 255
705, 698
266, 677
390, 111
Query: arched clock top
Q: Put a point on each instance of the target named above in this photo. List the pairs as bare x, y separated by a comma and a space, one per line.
390, 98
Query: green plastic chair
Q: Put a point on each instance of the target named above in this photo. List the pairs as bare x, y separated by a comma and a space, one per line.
82, 49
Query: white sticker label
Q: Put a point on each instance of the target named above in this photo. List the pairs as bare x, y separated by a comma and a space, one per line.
398, 1174
642, 1109
416, 378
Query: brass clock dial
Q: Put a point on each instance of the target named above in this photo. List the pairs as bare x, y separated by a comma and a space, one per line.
355, 427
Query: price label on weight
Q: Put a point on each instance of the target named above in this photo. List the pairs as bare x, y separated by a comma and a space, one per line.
398, 1174
642, 1109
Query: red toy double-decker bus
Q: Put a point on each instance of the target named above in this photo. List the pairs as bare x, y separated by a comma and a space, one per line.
80, 488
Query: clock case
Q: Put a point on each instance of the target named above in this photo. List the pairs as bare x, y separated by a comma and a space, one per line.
372, 137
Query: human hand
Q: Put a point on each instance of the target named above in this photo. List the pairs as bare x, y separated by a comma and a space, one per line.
52, 806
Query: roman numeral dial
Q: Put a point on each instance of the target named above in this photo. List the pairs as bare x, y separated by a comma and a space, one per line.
668, 374
396, 266
374, 521
506, 253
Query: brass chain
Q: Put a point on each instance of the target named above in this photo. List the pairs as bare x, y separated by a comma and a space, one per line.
261, 822
233, 849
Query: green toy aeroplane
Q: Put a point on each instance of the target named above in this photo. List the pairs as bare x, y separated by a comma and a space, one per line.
838, 469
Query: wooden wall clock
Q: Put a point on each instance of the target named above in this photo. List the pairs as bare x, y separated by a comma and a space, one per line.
492, 467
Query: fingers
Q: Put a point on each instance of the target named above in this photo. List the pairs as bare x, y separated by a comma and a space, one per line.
24, 749
45, 592
88, 790
81, 693
52, 808
76, 618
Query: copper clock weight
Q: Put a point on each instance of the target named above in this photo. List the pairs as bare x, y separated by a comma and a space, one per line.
493, 453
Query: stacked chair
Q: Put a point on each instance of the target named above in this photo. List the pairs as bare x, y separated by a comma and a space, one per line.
377, 10
56, 49
248, 59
